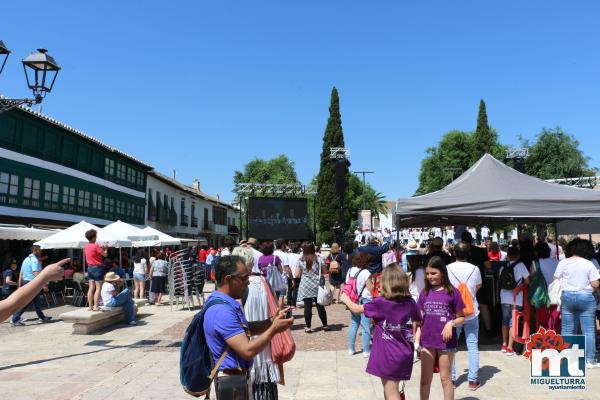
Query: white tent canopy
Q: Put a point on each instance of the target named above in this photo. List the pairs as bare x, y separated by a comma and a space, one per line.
74, 238
163, 239
24, 233
130, 232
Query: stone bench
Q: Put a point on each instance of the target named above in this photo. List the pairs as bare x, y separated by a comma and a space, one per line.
86, 321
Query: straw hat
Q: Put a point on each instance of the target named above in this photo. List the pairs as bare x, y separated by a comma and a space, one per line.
111, 277
413, 245
251, 241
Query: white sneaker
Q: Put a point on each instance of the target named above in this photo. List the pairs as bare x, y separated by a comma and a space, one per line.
351, 352
592, 365
133, 323
366, 355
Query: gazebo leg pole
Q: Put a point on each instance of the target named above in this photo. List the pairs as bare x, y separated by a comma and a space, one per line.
556, 239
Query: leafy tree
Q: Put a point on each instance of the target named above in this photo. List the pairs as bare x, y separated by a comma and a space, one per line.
448, 160
556, 154
327, 203
276, 170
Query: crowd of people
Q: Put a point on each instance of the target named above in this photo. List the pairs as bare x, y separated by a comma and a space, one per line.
414, 300
410, 300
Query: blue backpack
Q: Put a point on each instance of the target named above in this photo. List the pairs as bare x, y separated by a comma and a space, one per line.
196, 370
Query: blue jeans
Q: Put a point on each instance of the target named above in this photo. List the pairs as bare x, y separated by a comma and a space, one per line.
365, 323
579, 309
36, 307
472, 334
123, 299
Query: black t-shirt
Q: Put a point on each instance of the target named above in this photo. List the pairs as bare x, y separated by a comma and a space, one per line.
14, 276
478, 257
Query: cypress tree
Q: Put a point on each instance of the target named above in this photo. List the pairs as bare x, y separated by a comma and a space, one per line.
484, 138
328, 201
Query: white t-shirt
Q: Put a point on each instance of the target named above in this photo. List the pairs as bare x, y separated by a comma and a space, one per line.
418, 285
107, 292
257, 254
577, 273
503, 255
521, 273
485, 232
282, 256
553, 250
140, 268
361, 281
461, 271
548, 266
293, 259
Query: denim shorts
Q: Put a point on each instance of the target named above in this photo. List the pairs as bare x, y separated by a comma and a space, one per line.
450, 350
139, 277
96, 273
507, 314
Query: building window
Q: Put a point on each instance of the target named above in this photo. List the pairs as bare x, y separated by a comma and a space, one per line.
68, 198
31, 192
183, 221
219, 215
109, 168
131, 176
96, 203
109, 207
51, 193
121, 172
140, 180
194, 219
83, 201
9, 188
120, 208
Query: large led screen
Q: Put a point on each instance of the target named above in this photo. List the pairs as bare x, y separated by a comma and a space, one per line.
271, 218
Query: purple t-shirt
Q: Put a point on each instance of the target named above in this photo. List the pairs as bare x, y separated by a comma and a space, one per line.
221, 322
265, 261
392, 354
438, 307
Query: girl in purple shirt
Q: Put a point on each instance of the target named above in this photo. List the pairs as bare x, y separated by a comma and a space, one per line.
441, 309
395, 314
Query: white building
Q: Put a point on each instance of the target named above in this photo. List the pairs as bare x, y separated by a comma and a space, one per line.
186, 212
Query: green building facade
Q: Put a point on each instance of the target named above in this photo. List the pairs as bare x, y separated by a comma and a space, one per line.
52, 174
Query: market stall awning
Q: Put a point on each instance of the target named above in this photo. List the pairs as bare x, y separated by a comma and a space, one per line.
123, 229
491, 192
74, 238
163, 239
24, 233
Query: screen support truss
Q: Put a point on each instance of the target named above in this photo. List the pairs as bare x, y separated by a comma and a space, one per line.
277, 189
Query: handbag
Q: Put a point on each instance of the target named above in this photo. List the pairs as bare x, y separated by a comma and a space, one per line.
324, 296
555, 292
274, 277
232, 387
283, 346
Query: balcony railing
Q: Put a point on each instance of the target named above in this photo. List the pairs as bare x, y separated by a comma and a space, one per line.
194, 222
184, 220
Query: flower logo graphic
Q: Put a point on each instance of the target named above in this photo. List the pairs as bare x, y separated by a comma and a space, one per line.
542, 340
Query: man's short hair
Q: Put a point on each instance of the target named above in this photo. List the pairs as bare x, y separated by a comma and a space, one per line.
89, 235
227, 266
437, 242
513, 252
466, 237
462, 251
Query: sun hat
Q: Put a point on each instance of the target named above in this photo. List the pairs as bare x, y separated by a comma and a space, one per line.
251, 241
412, 245
111, 277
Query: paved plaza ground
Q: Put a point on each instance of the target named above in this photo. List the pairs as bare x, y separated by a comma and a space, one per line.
45, 361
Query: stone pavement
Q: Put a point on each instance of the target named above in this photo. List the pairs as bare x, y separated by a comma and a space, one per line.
46, 362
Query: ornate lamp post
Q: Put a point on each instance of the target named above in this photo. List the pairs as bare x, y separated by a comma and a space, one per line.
41, 71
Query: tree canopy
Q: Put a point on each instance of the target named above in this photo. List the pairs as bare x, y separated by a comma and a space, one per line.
328, 201
556, 154
276, 170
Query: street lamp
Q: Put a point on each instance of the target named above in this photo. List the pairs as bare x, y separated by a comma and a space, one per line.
3, 52
41, 71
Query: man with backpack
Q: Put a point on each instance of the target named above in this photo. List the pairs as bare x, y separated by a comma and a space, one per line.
511, 281
228, 333
466, 277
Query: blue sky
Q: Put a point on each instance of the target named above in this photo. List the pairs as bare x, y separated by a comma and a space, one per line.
204, 87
